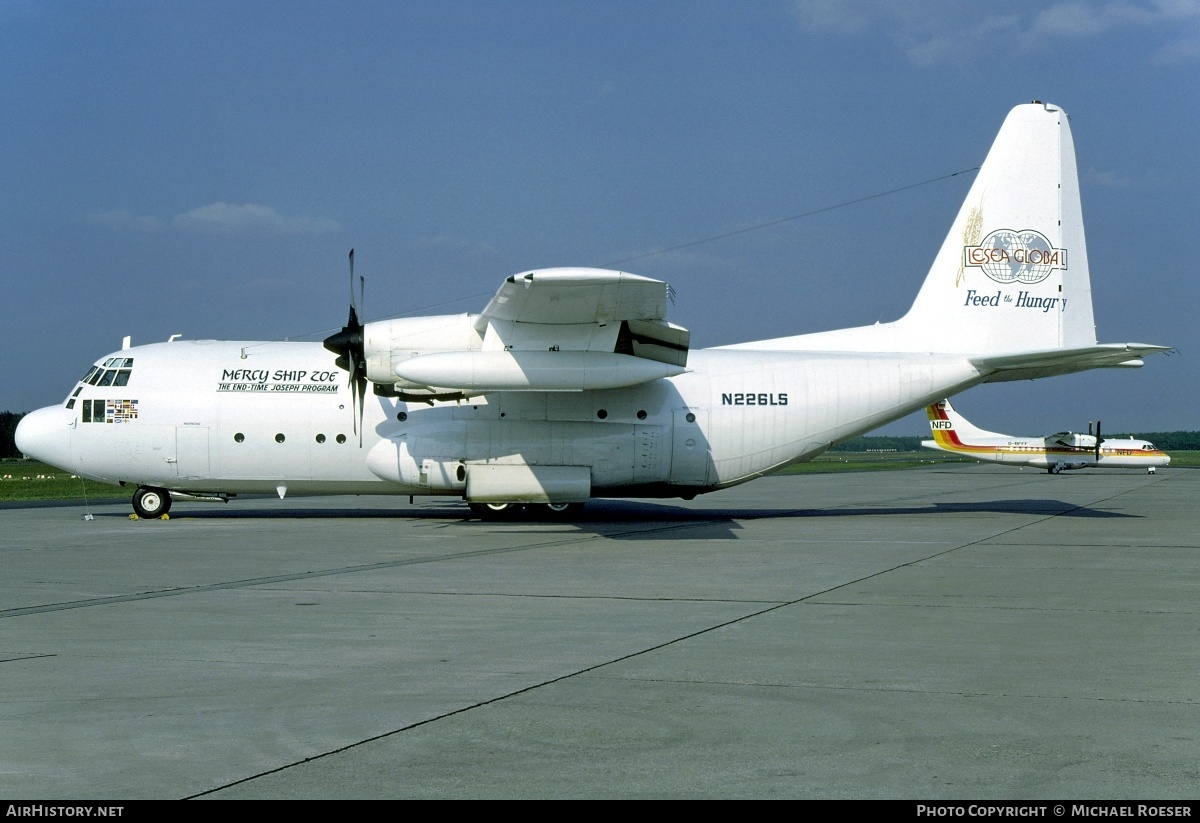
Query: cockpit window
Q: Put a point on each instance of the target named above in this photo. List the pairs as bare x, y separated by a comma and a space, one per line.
114, 372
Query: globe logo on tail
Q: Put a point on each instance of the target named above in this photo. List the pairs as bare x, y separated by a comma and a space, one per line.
1009, 256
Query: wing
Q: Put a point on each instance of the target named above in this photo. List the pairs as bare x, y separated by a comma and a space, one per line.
569, 329
584, 310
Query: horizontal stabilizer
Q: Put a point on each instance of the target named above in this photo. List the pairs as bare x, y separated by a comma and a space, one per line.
1048, 363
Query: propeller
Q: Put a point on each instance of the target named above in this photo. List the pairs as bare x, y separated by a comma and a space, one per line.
349, 346
1098, 441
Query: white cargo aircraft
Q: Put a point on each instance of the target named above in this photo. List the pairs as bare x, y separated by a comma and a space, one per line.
571, 384
1059, 452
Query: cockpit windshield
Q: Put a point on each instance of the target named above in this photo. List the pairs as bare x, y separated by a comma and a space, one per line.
115, 371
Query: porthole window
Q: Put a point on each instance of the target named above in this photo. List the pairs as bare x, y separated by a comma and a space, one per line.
602, 414
320, 438
239, 437
641, 414
401, 416
279, 438
341, 438
691, 418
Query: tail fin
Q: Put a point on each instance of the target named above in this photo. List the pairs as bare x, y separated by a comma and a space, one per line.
954, 433
1012, 274
1010, 288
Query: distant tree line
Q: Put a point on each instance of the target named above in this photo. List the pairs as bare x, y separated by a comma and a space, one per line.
1167, 441
8, 430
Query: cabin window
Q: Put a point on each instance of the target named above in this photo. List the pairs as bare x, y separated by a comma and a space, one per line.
86, 417
87, 378
320, 438
122, 378
603, 413
279, 438
106, 379
341, 438
239, 437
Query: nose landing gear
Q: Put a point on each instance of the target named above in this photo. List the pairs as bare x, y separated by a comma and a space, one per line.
150, 503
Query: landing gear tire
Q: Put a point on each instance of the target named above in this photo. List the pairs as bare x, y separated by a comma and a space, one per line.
496, 511
563, 511
150, 504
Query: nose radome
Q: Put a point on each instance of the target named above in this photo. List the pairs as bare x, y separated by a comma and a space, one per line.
44, 434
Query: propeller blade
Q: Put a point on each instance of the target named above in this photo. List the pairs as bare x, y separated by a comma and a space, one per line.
349, 345
1098, 441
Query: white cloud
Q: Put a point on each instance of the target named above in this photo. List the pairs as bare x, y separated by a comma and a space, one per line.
1108, 179
250, 219
123, 220
930, 32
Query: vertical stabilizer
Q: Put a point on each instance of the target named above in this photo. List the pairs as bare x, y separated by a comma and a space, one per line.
1012, 275
952, 432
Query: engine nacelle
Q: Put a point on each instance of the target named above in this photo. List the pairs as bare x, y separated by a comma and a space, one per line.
387, 343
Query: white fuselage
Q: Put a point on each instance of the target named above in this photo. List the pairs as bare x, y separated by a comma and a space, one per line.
1046, 453
243, 417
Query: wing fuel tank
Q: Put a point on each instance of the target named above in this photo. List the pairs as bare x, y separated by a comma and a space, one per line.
532, 370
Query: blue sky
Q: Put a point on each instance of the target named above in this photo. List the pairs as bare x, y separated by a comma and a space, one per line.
203, 168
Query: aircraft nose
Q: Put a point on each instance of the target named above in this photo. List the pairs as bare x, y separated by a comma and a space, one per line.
45, 435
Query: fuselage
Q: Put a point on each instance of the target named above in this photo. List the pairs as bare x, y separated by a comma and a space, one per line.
221, 417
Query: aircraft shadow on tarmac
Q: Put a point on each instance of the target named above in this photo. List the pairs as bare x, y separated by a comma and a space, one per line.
628, 519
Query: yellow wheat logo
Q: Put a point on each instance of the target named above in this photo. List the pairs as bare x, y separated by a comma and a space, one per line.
972, 231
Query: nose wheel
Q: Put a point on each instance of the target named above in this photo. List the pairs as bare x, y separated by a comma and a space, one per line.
150, 503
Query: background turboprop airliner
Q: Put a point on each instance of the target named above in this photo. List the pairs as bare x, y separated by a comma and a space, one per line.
572, 384
1058, 452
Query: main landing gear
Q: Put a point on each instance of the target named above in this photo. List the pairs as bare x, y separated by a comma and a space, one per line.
150, 503
526, 511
